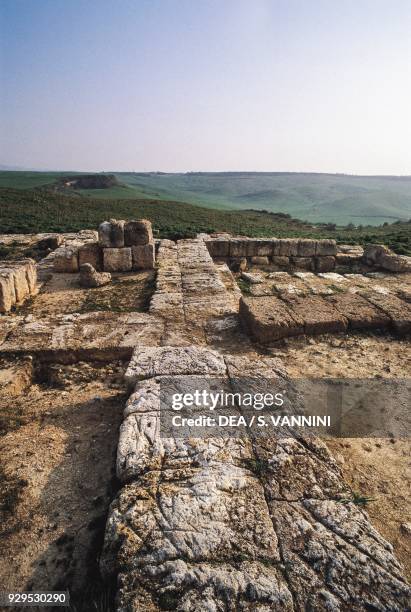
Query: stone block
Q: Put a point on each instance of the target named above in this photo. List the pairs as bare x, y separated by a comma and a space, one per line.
91, 253
325, 263
111, 234
374, 252
138, 232
89, 277
307, 248
360, 313
260, 248
319, 316
395, 263
218, 247
302, 263
148, 362
281, 262
259, 260
325, 248
66, 259
397, 310
143, 256
238, 247
7, 291
287, 247
117, 260
269, 319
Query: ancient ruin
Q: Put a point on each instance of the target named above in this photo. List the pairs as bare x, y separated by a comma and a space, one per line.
221, 524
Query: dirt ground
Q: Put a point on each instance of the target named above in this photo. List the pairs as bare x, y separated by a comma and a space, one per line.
62, 294
379, 469
57, 471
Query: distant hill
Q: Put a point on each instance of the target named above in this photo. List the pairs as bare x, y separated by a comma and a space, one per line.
335, 198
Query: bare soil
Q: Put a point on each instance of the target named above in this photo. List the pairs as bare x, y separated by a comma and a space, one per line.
379, 469
62, 294
57, 472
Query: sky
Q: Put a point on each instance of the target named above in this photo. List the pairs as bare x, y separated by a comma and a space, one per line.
206, 85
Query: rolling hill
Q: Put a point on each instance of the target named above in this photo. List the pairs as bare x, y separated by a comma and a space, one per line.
341, 199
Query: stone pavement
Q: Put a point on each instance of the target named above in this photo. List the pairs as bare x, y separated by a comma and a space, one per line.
232, 523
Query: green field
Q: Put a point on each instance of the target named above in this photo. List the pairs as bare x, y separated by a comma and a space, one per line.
37, 210
316, 198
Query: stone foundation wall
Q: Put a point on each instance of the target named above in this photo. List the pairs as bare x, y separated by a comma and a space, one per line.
119, 246
290, 254
18, 281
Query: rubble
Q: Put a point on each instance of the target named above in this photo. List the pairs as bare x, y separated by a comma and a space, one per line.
89, 277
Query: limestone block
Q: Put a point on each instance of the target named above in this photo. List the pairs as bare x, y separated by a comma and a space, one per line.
218, 247
143, 256
148, 362
288, 247
395, 263
260, 260
89, 277
319, 316
31, 276
7, 290
252, 278
307, 248
325, 263
281, 262
260, 248
66, 258
348, 259
398, 310
138, 232
117, 260
21, 286
269, 319
302, 263
238, 247
374, 252
325, 248
360, 313
91, 253
111, 234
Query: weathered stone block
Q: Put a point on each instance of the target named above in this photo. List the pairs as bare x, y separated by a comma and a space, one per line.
111, 234
91, 253
218, 247
374, 252
148, 362
117, 260
143, 256
395, 263
259, 260
302, 263
398, 310
360, 313
66, 259
287, 247
307, 248
281, 262
325, 263
269, 319
348, 259
7, 291
138, 232
89, 277
319, 316
325, 248
238, 247
260, 248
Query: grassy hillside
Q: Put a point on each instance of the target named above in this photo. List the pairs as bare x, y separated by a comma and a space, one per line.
313, 197
42, 211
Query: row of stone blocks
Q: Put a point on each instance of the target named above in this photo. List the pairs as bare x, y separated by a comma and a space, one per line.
271, 318
122, 246
18, 281
283, 253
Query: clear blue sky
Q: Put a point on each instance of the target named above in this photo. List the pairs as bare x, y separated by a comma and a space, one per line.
178, 85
